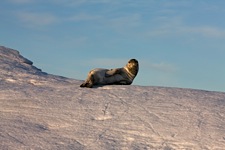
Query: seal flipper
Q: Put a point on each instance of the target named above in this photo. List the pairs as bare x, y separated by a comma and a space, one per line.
111, 72
123, 82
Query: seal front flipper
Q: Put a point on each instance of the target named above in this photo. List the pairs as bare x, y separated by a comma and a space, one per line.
112, 72
123, 82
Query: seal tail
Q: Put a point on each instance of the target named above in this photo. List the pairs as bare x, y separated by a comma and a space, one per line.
88, 83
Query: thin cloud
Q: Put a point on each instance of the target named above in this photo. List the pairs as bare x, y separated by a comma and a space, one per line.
124, 24
36, 19
76, 3
75, 41
170, 27
21, 1
162, 66
206, 31
125, 21
84, 17
107, 62
171, 21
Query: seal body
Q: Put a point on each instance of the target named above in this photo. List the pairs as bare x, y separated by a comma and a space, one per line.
119, 76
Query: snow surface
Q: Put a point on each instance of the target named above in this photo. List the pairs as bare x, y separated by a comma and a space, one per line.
43, 111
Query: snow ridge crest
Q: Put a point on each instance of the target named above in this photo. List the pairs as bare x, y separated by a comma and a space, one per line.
13, 55
12, 61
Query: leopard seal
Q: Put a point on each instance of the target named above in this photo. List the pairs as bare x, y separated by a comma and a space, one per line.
117, 76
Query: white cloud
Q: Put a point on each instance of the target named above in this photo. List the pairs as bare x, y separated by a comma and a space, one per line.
36, 19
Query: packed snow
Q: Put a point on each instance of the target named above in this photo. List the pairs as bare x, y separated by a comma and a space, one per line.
43, 111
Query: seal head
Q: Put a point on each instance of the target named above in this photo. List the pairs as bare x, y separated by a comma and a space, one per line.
132, 67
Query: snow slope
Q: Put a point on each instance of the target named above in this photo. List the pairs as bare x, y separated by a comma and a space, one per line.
42, 111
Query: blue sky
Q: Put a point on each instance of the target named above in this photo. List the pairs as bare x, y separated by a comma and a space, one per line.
178, 43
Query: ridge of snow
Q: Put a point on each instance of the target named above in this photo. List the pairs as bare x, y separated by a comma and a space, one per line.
13, 55
42, 111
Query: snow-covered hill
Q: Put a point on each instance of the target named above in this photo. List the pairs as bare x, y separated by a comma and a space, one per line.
42, 111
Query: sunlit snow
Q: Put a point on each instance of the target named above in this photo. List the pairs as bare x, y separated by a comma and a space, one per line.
43, 111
